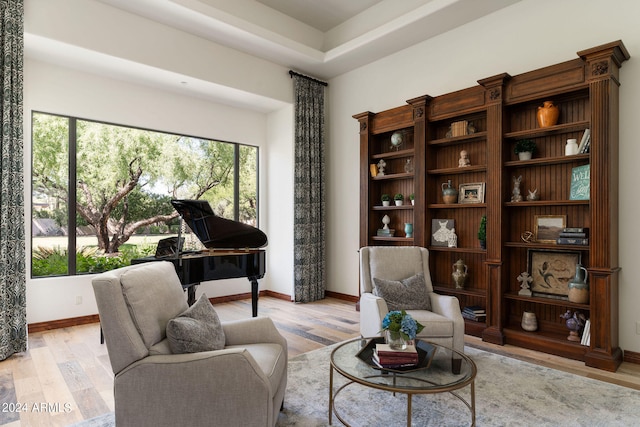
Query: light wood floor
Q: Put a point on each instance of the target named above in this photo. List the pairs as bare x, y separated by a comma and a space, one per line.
65, 377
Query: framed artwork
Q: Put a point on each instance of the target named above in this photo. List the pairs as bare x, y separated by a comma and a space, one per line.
547, 228
551, 272
471, 193
441, 230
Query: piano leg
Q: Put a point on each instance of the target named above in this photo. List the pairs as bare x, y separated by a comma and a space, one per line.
254, 296
191, 293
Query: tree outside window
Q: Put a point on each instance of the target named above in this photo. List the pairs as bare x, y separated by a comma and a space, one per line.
119, 182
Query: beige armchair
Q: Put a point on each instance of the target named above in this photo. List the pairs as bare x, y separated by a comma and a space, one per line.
443, 322
242, 384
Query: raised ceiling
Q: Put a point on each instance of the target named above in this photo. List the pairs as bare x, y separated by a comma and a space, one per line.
321, 38
324, 38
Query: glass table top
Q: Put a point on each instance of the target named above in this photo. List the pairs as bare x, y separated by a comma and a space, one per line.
437, 377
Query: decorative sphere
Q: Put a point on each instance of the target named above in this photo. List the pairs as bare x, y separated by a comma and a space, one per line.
397, 138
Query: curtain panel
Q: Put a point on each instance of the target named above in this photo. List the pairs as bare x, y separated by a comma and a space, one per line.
309, 190
13, 311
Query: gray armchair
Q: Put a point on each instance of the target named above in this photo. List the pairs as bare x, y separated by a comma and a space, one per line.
443, 323
242, 384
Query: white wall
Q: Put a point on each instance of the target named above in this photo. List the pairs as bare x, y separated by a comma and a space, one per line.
54, 89
279, 195
528, 35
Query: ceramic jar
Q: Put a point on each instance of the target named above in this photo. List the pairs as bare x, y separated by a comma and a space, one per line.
529, 321
408, 229
459, 274
571, 148
449, 193
548, 114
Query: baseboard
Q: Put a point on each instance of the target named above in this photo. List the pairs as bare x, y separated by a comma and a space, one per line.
62, 323
94, 318
631, 357
344, 297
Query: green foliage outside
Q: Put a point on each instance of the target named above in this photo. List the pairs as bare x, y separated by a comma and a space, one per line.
53, 261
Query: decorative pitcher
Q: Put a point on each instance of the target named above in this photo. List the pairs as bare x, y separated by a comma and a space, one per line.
548, 114
578, 286
449, 193
459, 274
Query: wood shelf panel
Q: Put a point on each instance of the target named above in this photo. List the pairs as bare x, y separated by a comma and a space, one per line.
547, 301
457, 170
546, 246
393, 208
461, 250
456, 205
403, 175
392, 239
394, 154
551, 130
525, 203
547, 161
455, 291
454, 140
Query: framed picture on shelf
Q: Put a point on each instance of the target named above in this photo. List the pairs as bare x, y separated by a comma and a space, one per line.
547, 228
441, 230
471, 193
551, 272
580, 183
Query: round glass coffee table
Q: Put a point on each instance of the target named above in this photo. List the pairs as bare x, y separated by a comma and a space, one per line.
435, 374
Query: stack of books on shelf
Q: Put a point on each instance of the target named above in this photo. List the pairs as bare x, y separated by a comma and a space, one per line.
574, 236
386, 232
459, 128
585, 142
474, 312
386, 357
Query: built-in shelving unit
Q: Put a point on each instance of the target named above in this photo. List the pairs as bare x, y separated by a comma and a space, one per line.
496, 113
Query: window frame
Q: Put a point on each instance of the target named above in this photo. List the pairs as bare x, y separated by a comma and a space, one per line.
72, 181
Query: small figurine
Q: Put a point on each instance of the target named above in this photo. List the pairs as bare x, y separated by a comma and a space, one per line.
381, 165
533, 195
575, 323
464, 159
452, 241
525, 282
516, 196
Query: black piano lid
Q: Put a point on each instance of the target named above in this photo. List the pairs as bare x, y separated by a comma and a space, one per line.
216, 232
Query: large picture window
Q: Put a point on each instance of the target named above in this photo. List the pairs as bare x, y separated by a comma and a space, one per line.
102, 191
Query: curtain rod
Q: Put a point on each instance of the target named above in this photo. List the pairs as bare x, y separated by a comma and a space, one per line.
293, 73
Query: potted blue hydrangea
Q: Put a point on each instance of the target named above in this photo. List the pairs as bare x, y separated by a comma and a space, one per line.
400, 327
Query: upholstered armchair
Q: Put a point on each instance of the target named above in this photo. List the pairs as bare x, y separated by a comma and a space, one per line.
240, 384
396, 278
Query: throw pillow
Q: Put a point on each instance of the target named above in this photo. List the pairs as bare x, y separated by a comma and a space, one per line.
407, 294
197, 329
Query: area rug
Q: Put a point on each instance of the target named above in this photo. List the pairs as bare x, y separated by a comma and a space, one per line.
509, 392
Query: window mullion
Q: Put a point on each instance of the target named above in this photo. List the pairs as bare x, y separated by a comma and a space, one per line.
72, 192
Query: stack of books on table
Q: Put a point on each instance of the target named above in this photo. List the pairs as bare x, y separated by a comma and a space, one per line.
474, 312
386, 357
574, 236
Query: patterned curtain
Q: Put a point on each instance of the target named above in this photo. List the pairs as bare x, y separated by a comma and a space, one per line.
13, 308
309, 210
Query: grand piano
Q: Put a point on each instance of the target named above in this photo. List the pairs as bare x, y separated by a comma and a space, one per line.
232, 250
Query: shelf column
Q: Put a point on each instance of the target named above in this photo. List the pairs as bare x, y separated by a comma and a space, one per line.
364, 121
602, 71
419, 185
494, 89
